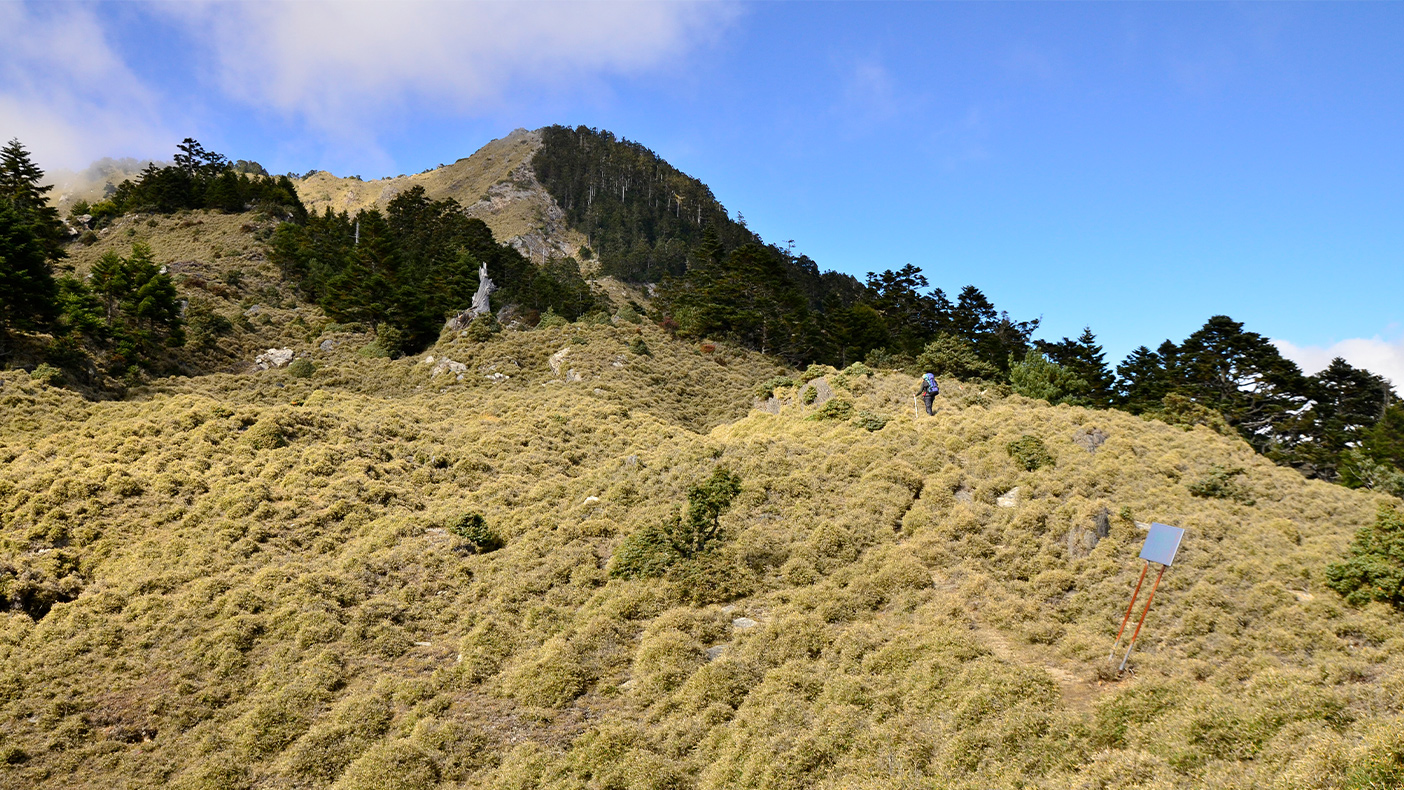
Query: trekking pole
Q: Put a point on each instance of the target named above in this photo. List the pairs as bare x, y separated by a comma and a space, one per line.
916, 409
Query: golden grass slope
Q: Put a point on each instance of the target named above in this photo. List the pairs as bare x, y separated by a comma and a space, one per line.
264, 592
496, 184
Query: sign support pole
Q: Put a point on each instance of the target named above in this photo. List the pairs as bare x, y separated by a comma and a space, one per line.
1142, 621
1162, 542
1129, 607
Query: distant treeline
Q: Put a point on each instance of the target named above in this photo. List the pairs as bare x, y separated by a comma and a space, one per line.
650, 223
403, 271
199, 179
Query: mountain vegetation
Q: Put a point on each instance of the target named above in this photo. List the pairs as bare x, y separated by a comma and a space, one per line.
701, 540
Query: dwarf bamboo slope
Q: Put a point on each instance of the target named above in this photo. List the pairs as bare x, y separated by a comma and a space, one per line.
407, 573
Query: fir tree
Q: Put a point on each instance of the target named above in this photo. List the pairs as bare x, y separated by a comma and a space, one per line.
20, 186
1085, 358
27, 291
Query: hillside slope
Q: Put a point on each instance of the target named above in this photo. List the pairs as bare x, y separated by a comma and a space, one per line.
253, 580
495, 184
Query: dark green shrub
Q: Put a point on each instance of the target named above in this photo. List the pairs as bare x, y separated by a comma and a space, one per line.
1220, 483
834, 409
639, 347
388, 342
650, 551
646, 553
809, 396
483, 328
47, 374
550, 319
767, 389
629, 314
205, 326
301, 368
473, 528
949, 356
1029, 452
1374, 567
870, 421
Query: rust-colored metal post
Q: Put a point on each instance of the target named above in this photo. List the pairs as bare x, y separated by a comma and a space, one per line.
1142, 621
1129, 607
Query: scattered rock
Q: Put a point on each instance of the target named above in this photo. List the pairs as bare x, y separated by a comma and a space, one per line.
591, 499
1009, 498
571, 376
329, 344
557, 359
273, 358
822, 390
964, 494
447, 365
770, 405
497, 378
1141, 525
254, 310
715, 652
744, 623
1089, 438
1081, 540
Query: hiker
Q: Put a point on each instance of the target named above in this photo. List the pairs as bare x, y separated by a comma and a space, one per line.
929, 390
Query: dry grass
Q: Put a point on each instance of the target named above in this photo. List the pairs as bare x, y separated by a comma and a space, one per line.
265, 592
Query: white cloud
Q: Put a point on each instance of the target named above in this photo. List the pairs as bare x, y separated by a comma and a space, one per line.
66, 94
341, 65
1378, 356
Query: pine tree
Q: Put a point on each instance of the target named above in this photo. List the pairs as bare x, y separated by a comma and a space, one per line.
1144, 378
20, 187
1345, 403
27, 291
1085, 358
1241, 375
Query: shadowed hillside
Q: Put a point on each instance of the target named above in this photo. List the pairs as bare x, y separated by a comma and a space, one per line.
276, 579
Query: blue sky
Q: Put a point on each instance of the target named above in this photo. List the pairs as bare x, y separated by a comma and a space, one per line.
1135, 168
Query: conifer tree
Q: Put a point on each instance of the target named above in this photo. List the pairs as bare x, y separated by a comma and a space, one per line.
20, 186
1144, 378
27, 291
1241, 375
1085, 358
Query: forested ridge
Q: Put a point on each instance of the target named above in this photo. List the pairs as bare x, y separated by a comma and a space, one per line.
648, 222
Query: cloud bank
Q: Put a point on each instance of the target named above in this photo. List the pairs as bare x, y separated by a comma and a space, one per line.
338, 64
339, 72
1374, 354
66, 93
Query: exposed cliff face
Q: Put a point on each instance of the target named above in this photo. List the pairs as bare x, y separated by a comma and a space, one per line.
496, 184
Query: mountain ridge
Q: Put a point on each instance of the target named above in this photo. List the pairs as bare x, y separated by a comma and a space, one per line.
496, 184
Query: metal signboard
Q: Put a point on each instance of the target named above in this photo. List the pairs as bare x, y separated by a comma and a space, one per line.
1162, 543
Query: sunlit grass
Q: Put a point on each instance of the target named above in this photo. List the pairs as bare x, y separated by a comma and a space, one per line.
254, 579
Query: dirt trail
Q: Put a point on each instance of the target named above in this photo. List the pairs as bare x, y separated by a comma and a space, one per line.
1074, 679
